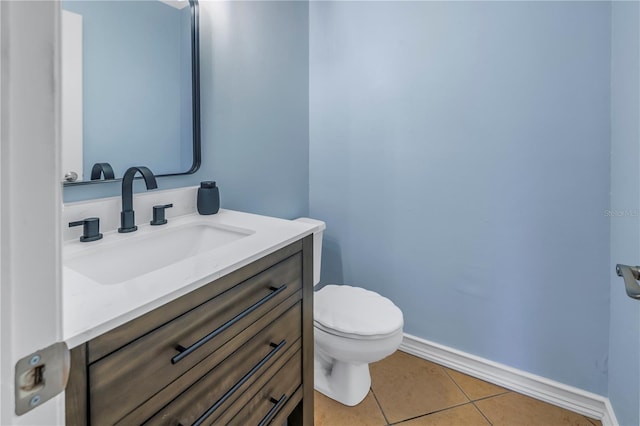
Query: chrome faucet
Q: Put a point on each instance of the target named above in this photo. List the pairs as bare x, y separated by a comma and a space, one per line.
127, 215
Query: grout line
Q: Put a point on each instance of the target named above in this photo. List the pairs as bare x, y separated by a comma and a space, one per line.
492, 396
481, 413
589, 420
470, 399
454, 382
465, 394
433, 412
386, 420
485, 398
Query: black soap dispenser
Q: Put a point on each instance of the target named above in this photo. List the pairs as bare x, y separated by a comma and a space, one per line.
208, 198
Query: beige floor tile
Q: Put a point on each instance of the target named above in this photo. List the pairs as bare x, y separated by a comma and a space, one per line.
328, 412
594, 421
474, 388
407, 387
466, 415
513, 409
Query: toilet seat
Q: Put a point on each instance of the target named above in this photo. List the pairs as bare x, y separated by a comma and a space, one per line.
355, 336
356, 313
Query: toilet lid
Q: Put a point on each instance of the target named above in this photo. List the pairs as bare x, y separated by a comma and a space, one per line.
355, 311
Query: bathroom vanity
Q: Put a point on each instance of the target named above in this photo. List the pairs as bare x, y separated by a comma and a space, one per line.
228, 347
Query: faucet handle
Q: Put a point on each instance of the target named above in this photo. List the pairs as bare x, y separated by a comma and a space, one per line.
90, 229
158, 214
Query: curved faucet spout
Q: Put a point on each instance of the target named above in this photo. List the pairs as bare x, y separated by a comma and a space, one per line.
102, 169
127, 216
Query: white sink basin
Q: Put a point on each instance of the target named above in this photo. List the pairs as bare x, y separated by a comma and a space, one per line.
127, 256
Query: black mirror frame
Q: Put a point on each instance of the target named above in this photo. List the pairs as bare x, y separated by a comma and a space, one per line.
195, 101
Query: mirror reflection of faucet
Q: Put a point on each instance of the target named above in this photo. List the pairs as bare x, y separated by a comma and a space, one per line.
102, 169
127, 215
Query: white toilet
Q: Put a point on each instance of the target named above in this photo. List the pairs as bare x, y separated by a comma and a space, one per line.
352, 328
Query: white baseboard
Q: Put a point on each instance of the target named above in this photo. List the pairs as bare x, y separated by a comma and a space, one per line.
556, 393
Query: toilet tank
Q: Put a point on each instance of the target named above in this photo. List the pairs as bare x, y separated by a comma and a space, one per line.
317, 245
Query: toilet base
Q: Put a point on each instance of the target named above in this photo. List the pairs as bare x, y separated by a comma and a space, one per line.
344, 382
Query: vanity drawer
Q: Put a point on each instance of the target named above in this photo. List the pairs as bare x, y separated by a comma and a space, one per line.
164, 396
264, 402
122, 381
206, 399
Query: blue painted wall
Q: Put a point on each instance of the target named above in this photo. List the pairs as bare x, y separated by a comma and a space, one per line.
133, 84
458, 153
254, 99
256, 103
624, 355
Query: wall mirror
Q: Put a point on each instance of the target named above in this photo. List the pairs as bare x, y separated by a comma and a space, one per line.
130, 88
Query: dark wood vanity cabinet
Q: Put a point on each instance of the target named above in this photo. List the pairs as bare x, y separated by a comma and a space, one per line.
238, 350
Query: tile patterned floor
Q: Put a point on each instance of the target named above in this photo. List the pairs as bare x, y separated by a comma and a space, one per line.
409, 391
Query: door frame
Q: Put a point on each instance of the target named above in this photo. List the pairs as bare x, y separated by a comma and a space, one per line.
30, 196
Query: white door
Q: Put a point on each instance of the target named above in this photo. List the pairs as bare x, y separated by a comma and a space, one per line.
30, 197
624, 337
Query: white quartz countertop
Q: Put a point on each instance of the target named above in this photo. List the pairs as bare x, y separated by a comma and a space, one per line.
92, 308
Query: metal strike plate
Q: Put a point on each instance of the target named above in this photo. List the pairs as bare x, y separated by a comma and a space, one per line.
41, 376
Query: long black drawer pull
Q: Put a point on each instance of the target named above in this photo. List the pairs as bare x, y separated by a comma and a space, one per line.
279, 403
186, 351
242, 381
